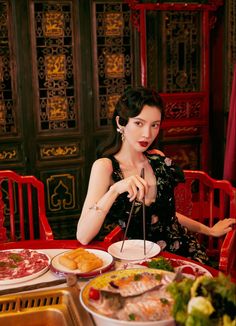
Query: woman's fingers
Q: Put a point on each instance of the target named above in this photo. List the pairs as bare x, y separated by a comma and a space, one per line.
137, 187
232, 220
224, 226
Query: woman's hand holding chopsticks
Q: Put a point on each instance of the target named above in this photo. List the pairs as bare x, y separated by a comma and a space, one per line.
135, 185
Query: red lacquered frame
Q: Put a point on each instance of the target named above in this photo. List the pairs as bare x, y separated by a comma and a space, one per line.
16, 198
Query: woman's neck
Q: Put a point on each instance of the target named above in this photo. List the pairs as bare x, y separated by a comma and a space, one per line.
131, 160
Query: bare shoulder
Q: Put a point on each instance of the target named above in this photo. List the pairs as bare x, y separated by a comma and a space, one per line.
103, 164
156, 151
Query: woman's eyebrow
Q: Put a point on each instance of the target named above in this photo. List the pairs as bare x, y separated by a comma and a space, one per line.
140, 119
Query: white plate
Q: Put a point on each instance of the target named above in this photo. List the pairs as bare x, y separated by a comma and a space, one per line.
28, 277
58, 268
189, 268
134, 249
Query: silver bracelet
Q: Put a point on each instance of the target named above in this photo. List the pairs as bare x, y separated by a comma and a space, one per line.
95, 207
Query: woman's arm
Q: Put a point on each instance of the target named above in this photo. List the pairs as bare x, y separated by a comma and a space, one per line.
217, 230
101, 195
99, 200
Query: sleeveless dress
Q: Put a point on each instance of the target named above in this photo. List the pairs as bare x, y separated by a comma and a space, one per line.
161, 221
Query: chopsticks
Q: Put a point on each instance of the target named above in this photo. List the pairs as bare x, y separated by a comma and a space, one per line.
33, 286
127, 226
144, 218
129, 218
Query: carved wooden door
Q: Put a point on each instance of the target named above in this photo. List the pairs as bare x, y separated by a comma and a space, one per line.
42, 112
63, 65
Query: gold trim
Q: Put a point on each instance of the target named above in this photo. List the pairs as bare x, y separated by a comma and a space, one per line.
7, 155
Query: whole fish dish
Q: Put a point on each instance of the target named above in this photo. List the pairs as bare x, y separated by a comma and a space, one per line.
130, 295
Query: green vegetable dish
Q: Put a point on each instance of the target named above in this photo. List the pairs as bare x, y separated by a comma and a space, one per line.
161, 263
204, 301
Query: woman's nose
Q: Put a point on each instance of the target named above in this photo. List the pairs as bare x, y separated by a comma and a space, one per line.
146, 132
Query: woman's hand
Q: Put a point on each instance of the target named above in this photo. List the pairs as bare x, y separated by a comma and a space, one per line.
222, 227
136, 187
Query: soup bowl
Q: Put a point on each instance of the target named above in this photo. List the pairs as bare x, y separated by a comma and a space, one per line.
103, 281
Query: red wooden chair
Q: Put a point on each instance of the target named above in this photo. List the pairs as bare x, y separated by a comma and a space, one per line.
22, 208
227, 260
209, 200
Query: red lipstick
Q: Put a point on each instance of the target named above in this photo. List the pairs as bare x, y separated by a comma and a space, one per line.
143, 143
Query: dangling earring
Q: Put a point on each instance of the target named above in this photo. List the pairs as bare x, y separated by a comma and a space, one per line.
121, 131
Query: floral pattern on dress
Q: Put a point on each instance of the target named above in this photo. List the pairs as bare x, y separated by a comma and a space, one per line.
165, 226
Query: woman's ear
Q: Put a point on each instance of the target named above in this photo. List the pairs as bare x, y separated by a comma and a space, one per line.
117, 121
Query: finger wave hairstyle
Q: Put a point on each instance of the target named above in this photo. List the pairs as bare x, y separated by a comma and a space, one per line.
129, 105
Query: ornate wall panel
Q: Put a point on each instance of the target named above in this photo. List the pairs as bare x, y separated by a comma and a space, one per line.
113, 56
54, 57
185, 154
174, 55
8, 123
11, 145
230, 46
174, 41
59, 151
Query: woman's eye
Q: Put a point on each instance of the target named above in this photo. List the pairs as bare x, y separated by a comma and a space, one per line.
138, 123
156, 125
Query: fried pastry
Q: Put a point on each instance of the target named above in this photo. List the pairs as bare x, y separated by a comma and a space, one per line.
81, 259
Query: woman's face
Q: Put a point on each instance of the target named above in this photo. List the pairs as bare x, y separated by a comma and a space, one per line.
141, 130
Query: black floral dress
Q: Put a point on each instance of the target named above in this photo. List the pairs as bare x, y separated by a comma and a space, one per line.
161, 221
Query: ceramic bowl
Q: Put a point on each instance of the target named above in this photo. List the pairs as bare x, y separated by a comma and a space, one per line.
101, 281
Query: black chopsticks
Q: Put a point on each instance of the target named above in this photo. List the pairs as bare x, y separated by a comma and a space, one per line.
127, 226
129, 218
33, 286
144, 217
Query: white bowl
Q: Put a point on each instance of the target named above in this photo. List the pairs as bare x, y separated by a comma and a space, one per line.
134, 249
101, 320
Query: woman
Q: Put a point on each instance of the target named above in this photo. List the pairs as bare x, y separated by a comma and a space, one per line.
115, 182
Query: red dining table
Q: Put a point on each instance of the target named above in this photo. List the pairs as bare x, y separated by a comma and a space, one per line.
71, 244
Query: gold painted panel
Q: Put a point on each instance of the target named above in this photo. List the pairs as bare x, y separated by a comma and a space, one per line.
114, 65
8, 155
61, 192
53, 23
55, 66
2, 112
52, 151
113, 24
57, 107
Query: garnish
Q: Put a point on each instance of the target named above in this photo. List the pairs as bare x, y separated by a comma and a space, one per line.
161, 263
15, 257
158, 277
164, 300
94, 294
132, 316
137, 277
